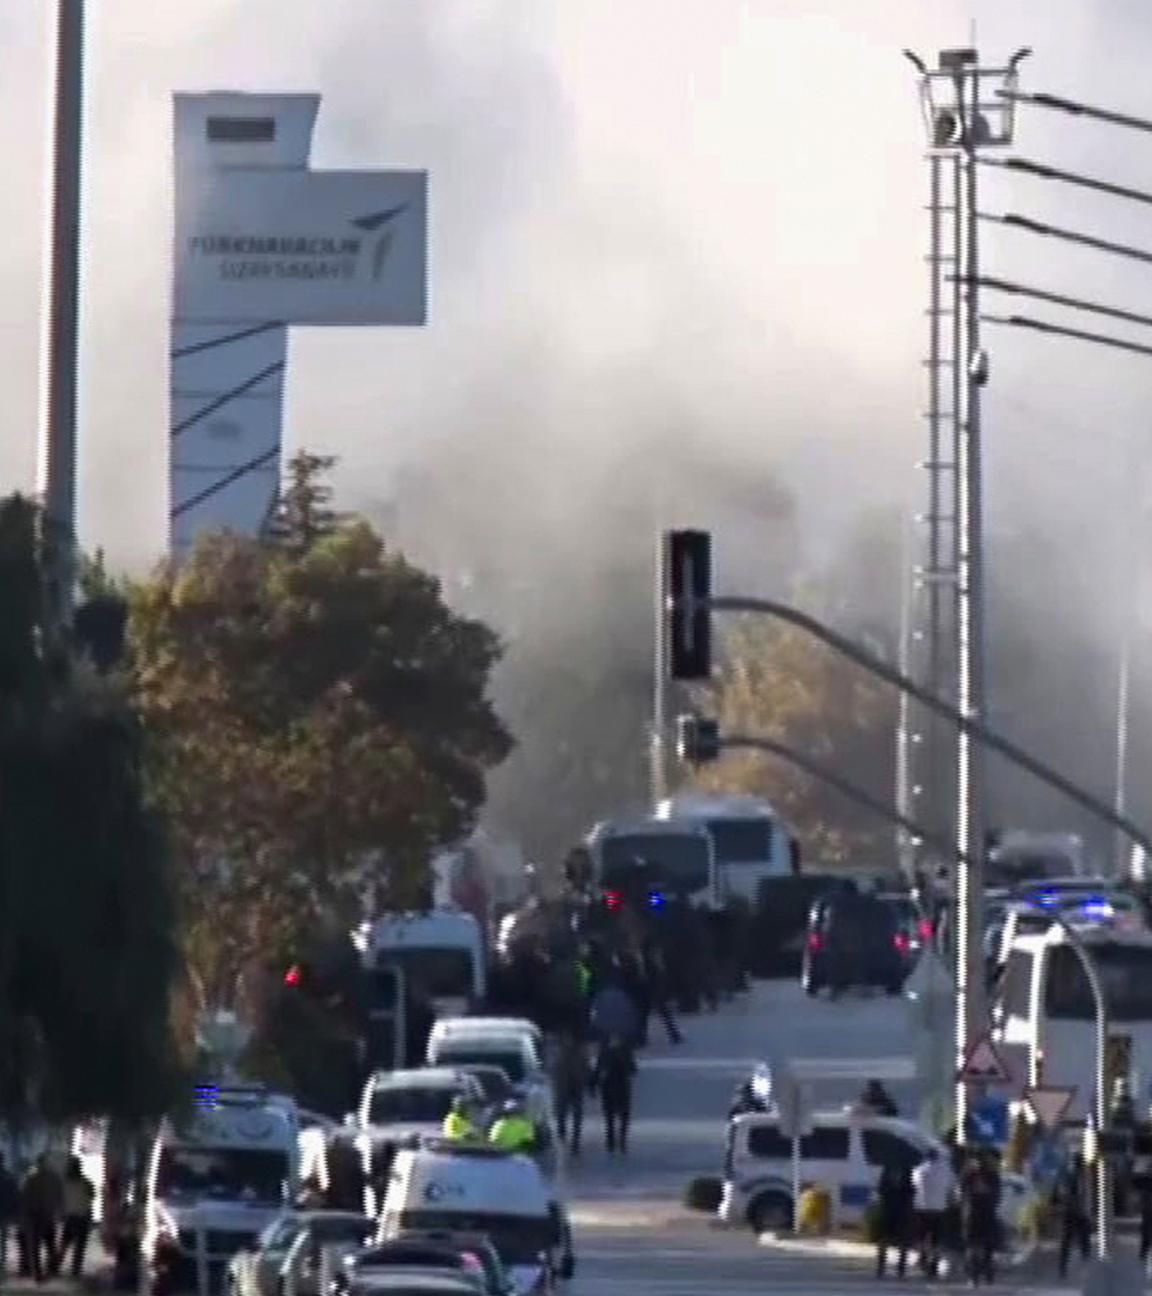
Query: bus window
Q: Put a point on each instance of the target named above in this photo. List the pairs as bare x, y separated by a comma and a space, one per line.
741, 841
1125, 973
681, 863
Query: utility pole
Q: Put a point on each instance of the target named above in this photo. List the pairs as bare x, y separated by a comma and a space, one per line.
967, 110
57, 467
658, 773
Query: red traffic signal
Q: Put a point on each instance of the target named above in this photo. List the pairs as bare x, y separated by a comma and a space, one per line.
294, 976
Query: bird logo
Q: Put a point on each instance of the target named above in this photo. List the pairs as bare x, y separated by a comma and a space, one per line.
380, 222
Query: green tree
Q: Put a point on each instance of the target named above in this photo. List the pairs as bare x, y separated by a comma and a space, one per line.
88, 955
319, 724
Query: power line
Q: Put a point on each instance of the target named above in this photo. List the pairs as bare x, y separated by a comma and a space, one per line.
1031, 226
1058, 299
1059, 330
1067, 177
1077, 109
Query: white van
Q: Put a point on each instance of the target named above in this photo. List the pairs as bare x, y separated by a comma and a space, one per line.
490, 1025
483, 1190
397, 1106
224, 1175
845, 1151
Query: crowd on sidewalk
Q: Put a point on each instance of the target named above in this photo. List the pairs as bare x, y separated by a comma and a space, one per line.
46, 1217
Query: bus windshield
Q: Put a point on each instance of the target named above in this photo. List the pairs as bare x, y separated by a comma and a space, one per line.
680, 863
1010, 869
741, 841
1126, 976
440, 971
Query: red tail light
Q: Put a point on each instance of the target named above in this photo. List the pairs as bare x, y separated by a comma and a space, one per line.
901, 941
924, 929
815, 940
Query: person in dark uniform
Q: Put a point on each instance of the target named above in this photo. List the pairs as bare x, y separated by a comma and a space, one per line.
894, 1224
1072, 1203
612, 1076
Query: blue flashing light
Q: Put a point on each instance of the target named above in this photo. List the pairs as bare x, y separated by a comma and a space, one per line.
207, 1097
655, 899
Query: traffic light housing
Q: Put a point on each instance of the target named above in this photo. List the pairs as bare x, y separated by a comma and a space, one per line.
100, 628
688, 587
697, 739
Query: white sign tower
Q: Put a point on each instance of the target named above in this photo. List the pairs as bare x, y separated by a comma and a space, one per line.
262, 242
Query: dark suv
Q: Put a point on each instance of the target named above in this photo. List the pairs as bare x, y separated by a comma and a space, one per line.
853, 940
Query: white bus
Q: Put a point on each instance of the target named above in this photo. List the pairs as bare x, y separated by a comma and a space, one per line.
1045, 1006
750, 841
680, 855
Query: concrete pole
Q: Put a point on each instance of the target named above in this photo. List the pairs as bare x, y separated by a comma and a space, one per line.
971, 1007
57, 468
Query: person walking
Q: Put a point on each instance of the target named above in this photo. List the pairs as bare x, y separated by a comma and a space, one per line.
569, 1081
612, 1077
933, 1185
9, 1210
656, 981
980, 1217
894, 1223
76, 1198
613, 1009
1072, 1203
40, 1208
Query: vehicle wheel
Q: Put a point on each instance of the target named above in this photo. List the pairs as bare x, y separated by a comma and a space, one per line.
703, 1194
771, 1212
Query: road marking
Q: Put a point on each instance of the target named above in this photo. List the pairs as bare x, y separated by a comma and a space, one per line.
698, 1064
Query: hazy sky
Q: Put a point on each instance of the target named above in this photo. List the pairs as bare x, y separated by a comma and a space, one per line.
644, 213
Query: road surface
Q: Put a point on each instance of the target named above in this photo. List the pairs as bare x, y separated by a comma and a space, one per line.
633, 1236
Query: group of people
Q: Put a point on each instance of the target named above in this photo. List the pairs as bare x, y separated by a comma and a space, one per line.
922, 1206
48, 1215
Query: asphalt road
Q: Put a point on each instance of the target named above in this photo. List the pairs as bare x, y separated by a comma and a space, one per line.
633, 1236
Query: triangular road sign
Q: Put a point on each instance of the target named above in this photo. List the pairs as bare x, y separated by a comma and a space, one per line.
983, 1065
1049, 1103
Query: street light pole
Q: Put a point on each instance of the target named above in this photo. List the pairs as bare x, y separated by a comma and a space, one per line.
57, 467
971, 1011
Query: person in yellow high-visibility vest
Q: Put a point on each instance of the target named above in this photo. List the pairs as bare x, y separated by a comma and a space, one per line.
459, 1125
513, 1132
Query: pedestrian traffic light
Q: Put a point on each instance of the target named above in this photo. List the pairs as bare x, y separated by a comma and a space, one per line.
688, 587
697, 739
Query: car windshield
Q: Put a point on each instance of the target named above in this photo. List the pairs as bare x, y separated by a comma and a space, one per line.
236, 1174
741, 841
1126, 977
519, 1239
493, 1080
677, 862
512, 1064
416, 1105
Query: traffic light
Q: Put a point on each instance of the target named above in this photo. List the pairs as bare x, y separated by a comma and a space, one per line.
697, 739
100, 628
688, 586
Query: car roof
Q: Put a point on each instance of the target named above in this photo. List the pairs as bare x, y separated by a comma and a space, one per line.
433, 1281
432, 1077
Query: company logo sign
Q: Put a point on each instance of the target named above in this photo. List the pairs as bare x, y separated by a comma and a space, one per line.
440, 1191
300, 257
